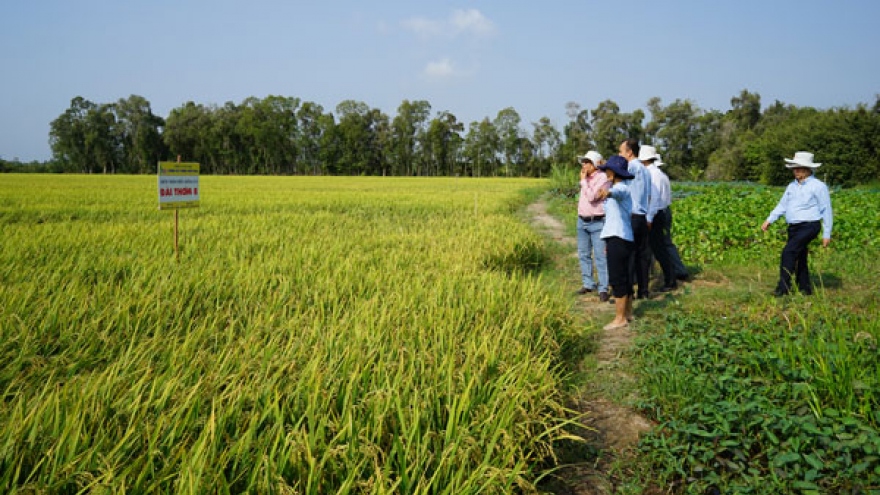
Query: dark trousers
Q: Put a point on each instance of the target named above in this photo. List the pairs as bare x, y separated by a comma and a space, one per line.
659, 239
619, 259
640, 261
794, 257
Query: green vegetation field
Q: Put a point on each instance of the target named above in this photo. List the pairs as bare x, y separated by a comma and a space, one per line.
391, 335
752, 393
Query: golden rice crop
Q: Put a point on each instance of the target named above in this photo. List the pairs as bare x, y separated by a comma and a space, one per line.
319, 335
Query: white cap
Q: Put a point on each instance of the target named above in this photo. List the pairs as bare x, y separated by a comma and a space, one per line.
591, 155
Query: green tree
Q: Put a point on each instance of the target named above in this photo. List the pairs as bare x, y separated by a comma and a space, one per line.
329, 143
359, 138
546, 142
577, 133
481, 148
140, 135
187, 134
67, 136
85, 138
675, 131
510, 140
309, 121
745, 109
611, 127
269, 129
843, 140
102, 138
407, 134
443, 144
227, 149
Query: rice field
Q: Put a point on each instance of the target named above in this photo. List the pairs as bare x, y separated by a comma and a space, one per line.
318, 335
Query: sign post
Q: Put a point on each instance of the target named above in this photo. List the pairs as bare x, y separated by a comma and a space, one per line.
178, 188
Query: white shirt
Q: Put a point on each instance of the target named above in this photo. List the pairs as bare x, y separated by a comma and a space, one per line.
661, 192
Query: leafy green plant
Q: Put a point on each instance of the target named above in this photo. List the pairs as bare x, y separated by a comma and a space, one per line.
564, 180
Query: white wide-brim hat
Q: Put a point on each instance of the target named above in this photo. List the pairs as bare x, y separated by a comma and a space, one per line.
593, 156
647, 153
659, 161
802, 159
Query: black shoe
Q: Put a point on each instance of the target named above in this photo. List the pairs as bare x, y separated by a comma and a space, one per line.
604, 297
668, 288
683, 278
643, 295
779, 293
583, 290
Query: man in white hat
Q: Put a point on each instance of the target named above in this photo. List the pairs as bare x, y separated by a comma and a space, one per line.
659, 219
805, 202
591, 220
681, 271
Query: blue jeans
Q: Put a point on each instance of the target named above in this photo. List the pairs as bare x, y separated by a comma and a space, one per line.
591, 254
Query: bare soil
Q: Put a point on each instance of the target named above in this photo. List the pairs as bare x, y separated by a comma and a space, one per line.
612, 429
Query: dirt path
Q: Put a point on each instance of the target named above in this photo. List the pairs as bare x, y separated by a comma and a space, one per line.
613, 428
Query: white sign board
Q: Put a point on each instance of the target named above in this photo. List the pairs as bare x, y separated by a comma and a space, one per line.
178, 185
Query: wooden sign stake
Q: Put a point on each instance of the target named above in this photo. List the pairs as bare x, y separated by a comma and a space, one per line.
176, 217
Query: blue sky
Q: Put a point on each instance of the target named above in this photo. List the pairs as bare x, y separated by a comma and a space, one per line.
469, 58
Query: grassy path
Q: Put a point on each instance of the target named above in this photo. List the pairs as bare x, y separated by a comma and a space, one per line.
604, 386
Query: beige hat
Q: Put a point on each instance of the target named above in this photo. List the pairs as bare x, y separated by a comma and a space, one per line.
593, 156
802, 159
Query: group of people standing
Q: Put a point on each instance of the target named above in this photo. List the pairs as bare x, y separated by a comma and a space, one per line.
625, 222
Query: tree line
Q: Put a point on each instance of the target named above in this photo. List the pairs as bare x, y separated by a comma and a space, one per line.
288, 136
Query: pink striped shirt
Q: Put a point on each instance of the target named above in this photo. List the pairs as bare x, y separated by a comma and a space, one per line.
588, 204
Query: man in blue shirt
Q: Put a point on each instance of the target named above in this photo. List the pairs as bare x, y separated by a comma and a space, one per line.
660, 220
640, 190
805, 202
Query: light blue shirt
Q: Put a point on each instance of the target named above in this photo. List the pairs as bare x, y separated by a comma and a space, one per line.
805, 202
618, 206
640, 187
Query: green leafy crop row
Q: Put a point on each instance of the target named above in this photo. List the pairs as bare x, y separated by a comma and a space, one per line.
754, 394
720, 221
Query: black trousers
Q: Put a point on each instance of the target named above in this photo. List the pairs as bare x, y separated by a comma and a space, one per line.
794, 257
619, 259
641, 259
660, 237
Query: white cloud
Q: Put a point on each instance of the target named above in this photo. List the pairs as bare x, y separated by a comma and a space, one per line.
470, 21
440, 69
424, 27
451, 32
